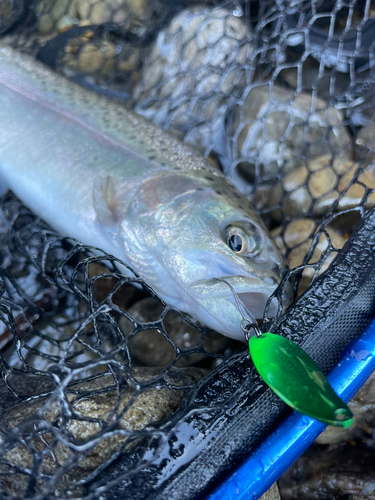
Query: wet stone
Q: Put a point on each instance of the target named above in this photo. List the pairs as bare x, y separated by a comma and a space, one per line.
346, 172
267, 197
299, 237
362, 406
297, 203
91, 57
93, 412
313, 187
104, 285
151, 348
10, 10
365, 141
366, 137
343, 471
308, 74
103, 61
322, 182
186, 81
272, 493
295, 179
50, 14
298, 231
135, 16
274, 128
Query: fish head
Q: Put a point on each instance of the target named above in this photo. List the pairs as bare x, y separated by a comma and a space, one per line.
183, 233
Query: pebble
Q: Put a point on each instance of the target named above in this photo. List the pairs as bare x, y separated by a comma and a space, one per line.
308, 74
296, 243
329, 179
103, 59
134, 16
149, 407
366, 137
365, 141
272, 493
313, 187
192, 71
362, 406
343, 471
51, 12
10, 11
273, 128
151, 348
104, 283
362, 114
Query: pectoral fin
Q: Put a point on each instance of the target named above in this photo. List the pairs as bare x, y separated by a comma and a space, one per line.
107, 200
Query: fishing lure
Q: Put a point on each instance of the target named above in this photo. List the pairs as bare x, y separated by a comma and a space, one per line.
290, 372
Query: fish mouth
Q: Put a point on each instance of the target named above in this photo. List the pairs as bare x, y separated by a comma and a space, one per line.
241, 285
253, 293
218, 308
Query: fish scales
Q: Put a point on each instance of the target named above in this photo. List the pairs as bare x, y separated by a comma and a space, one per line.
84, 134
99, 173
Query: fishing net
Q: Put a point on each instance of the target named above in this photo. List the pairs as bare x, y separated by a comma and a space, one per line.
106, 391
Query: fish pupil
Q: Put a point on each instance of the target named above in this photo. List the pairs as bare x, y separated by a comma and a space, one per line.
235, 243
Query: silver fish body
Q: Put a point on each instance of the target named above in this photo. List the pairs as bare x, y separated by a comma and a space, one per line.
105, 176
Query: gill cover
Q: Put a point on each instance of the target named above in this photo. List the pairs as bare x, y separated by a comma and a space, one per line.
178, 233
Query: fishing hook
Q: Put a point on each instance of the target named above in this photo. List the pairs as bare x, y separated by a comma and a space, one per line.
246, 324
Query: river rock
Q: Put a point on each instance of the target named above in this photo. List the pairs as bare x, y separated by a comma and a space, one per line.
55, 16
365, 141
362, 406
86, 57
308, 74
271, 494
93, 412
343, 471
134, 16
151, 348
102, 59
104, 284
273, 128
366, 137
341, 173
10, 11
313, 187
296, 242
192, 71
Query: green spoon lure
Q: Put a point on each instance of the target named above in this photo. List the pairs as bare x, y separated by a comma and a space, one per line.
292, 374
297, 379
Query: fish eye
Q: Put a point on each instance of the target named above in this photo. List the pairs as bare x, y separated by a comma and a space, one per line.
241, 242
235, 243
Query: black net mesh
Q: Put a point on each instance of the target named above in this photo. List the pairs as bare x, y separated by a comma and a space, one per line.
106, 391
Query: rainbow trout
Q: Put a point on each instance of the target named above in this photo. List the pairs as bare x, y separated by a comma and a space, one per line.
107, 177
